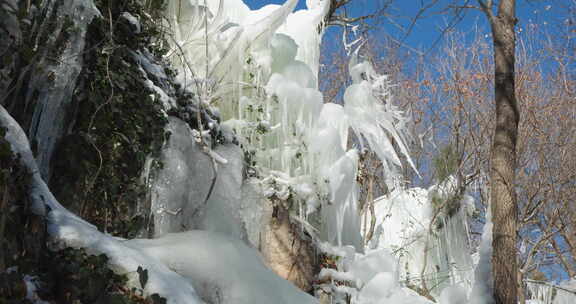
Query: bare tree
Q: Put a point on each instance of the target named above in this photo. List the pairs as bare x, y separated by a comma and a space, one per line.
503, 154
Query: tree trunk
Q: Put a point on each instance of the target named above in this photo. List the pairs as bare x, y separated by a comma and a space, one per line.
503, 154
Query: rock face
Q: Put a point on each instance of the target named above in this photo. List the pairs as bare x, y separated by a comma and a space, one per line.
288, 251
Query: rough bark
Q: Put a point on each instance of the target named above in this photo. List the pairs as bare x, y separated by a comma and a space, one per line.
503, 154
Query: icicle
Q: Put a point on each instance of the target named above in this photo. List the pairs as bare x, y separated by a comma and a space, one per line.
483, 283
56, 86
374, 118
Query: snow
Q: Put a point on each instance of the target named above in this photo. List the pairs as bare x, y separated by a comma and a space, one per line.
132, 21
454, 294
18, 141
222, 269
32, 290
384, 288
40, 195
123, 259
155, 79
564, 296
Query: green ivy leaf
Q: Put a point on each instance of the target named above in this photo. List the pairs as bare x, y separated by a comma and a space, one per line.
142, 276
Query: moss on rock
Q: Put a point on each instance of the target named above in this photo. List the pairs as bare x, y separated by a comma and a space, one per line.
118, 123
22, 234
79, 277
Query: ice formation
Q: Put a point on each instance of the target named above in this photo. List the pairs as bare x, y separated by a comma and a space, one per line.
260, 68
370, 278
547, 293
431, 245
193, 191
55, 86
483, 284
417, 245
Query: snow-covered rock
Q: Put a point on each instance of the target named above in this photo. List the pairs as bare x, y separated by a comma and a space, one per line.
221, 268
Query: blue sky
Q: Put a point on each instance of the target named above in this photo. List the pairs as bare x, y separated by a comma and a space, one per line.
429, 28
254, 4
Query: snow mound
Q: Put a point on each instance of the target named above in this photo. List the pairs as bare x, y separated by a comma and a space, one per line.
222, 269
66, 231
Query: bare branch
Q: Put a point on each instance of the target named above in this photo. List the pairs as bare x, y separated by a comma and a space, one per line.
487, 8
